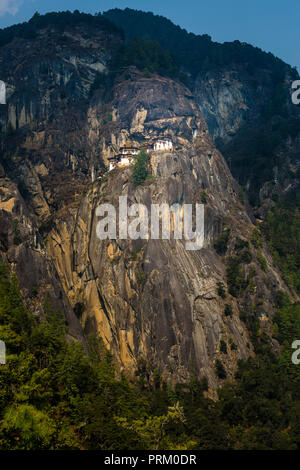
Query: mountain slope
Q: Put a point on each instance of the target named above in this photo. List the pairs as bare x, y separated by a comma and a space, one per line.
166, 308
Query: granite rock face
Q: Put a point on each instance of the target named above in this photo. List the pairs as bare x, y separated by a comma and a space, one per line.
251, 118
23, 248
231, 99
154, 303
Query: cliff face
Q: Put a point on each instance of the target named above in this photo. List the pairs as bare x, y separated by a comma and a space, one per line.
24, 250
45, 133
155, 304
230, 99
55, 68
253, 122
43, 136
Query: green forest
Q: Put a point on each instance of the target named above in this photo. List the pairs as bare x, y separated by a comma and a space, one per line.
281, 229
193, 52
61, 20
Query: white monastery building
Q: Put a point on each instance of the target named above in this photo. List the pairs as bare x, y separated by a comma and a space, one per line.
163, 144
126, 155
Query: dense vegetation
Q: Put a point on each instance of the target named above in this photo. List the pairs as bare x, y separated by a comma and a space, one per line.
139, 168
148, 56
281, 228
253, 154
60, 21
193, 52
53, 395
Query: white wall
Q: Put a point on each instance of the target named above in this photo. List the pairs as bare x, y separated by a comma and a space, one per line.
164, 145
2, 92
125, 161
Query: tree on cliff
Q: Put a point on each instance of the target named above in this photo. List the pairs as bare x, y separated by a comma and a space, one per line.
139, 170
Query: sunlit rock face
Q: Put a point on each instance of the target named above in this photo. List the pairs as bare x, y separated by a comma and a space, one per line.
151, 301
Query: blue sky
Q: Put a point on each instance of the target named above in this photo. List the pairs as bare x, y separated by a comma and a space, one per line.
273, 25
